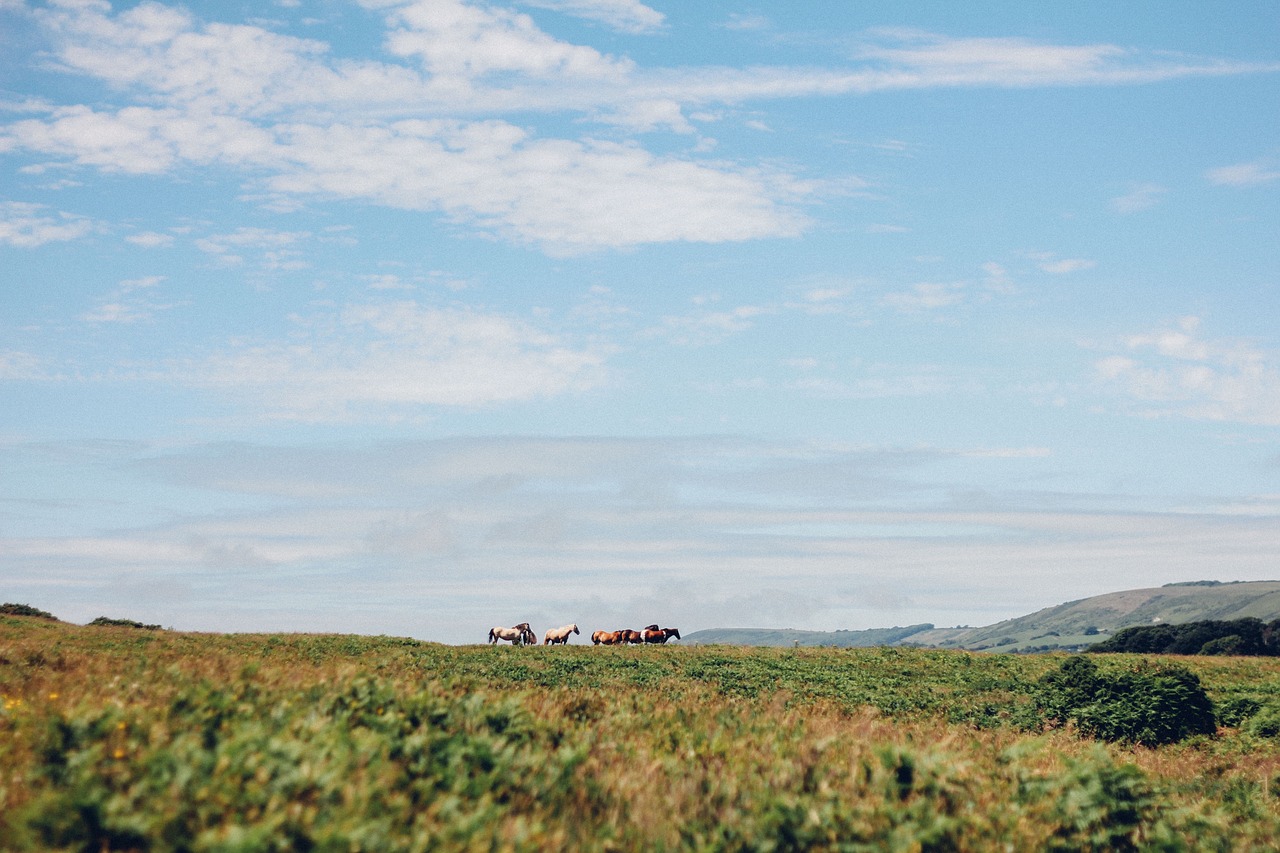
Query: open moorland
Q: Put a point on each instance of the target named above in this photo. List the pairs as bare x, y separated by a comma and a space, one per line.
118, 738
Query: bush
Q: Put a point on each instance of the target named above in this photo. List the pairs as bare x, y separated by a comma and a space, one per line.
8, 609
1146, 705
106, 622
1238, 710
1265, 723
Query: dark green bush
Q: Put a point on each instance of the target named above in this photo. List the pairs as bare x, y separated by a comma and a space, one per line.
107, 622
1265, 723
1149, 705
1237, 710
8, 609
1246, 636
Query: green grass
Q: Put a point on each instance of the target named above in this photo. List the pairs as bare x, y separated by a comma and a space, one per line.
112, 738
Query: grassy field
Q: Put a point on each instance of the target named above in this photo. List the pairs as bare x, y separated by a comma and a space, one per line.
116, 738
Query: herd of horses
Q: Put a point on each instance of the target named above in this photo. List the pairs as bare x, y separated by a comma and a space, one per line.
522, 635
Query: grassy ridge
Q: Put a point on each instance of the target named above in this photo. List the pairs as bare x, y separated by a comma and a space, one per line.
112, 738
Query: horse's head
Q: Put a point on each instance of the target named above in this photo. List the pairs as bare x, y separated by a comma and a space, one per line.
575, 630
672, 632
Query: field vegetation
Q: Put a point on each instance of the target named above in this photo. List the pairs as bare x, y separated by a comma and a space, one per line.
114, 738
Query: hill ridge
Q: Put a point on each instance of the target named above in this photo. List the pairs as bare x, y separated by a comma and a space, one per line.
1070, 625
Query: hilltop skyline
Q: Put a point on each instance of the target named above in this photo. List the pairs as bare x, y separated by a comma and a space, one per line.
421, 316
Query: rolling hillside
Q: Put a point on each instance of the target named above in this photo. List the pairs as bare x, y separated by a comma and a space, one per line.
1071, 625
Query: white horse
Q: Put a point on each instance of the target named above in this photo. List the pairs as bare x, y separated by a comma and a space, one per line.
517, 635
559, 635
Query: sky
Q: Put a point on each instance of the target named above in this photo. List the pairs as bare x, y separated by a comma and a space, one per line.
417, 317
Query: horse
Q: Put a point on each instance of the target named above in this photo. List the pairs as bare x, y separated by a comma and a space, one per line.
606, 638
660, 635
630, 636
517, 635
559, 635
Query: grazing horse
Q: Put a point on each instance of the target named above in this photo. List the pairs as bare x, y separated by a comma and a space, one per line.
559, 635
517, 635
660, 635
606, 638
629, 636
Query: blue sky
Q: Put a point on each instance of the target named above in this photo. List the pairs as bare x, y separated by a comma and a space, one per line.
421, 316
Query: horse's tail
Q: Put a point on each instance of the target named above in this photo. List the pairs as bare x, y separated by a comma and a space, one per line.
491, 635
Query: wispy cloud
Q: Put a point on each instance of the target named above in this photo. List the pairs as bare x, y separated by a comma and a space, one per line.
415, 130
1245, 174
708, 531
628, 16
702, 328
27, 226
385, 360
926, 296
1053, 265
1140, 197
150, 239
1175, 371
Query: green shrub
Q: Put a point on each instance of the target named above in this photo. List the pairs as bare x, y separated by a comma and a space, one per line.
1237, 710
1148, 705
1265, 723
107, 622
8, 609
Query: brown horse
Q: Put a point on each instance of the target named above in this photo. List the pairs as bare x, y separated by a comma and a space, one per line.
606, 638
630, 636
660, 635
559, 635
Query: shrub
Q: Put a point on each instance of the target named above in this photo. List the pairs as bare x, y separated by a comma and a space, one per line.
1265, 723
8, 609
105, 622
1237, 710
1146, 705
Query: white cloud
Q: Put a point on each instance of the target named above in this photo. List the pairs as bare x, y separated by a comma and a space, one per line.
626, 16
1140, 197
927, 296
144, 283
708, 327
20, 367
378, 360
117, 312
457, 40
747, 21
276, 250
1062, 266
410, 132
915, 59
150, 239
566, 196
1174, 371
27, 226
1244, 175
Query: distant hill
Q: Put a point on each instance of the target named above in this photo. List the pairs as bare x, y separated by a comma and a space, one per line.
1073, 625
792, 637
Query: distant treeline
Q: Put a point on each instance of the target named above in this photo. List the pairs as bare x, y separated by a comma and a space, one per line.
1248, 636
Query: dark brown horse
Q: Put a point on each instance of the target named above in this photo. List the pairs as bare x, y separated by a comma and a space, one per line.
655, 634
